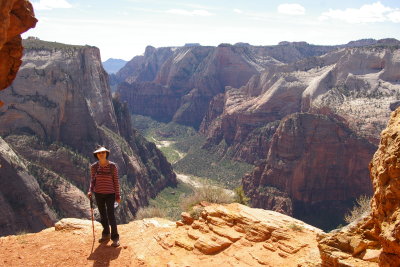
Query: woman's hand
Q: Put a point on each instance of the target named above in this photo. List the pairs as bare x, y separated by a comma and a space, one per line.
118, 199
89, 194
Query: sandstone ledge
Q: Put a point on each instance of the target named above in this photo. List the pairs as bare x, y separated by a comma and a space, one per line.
225, 235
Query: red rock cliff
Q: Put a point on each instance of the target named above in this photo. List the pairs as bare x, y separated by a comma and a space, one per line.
376, 237
315, 166
58, 108
16, 17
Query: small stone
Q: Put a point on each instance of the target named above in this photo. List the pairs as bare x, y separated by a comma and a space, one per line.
186, 218
269, 246
372, 255
184, 243
179, 223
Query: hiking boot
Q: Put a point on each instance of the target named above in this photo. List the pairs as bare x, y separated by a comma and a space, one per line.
115, 243
104, 238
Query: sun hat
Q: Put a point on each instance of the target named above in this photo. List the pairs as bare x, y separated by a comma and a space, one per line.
101, 149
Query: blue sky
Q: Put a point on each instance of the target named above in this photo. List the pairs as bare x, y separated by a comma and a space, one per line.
123, 28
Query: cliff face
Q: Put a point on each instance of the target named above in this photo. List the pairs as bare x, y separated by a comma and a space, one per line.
16, 17
24, 205
183, 80
374, 237
58, 108
315, 167
354, 85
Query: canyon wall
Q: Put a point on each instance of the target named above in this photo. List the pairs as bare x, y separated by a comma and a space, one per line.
57, 109
315, 167
374, 236
177, 83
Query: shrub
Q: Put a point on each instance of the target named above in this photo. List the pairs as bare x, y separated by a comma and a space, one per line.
296, 227
207, 193
149, 212
195, 213
240, 196
362, 206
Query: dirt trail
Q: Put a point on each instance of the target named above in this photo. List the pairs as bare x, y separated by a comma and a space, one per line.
196, 184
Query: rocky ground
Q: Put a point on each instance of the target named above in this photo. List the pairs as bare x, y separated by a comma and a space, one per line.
230, 235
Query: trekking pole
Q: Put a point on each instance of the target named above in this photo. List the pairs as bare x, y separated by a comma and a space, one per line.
91, 211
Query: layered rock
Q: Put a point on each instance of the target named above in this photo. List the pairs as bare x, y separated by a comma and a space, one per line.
60, 107
354, 85
315, 167
379, 230
23, 205
183, 80
16, 17
229, 235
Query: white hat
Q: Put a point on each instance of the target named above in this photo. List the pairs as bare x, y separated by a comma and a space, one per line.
101, 149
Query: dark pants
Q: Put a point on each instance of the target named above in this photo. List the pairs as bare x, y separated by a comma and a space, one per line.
105, 203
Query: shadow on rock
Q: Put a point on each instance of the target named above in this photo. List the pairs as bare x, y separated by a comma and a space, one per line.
103, 255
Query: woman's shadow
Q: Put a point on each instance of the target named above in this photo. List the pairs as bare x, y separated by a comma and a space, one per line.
103, 255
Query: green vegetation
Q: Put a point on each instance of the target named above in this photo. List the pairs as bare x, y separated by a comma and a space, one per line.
361, 207
296, 227
32, 43
149, 212
187, 155
122, 143
151, 129
169, 199
206, 193
240, 196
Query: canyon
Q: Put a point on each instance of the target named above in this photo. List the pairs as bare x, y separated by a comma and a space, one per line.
269, 106
56, 111
60, 106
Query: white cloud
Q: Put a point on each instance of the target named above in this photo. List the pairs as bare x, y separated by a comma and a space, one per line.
197, 12
394, 16
51, 4
375, 12
238, 11
291, 9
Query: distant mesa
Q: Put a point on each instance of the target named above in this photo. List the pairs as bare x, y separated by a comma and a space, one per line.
113, 65
242, 44
191, 44
224, 45
293, 43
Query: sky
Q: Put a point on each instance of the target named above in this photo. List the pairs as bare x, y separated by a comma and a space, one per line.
123, 28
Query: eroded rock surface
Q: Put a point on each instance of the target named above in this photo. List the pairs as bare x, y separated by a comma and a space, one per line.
314, 168
23, 205
377, 234
16, 17
58, 108
222, 235
183, 80
353, 85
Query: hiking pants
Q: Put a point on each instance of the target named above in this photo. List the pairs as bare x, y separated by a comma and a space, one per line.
105, 203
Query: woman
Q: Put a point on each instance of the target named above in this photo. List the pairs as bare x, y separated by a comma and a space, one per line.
105, 186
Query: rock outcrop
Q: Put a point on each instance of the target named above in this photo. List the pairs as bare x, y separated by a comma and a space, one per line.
23, 204
16, 17
354, 85
315, 167
177, 83
375, 237
58, 108
229, 235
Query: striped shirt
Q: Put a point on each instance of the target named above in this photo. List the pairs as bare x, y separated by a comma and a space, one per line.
104, 179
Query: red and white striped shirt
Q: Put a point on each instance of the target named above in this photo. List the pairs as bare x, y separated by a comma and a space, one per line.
104, 179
